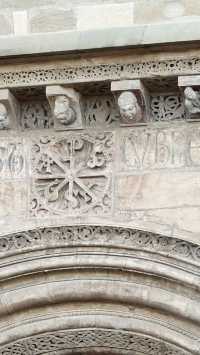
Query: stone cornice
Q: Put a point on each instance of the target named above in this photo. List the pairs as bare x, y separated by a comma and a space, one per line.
114, 37
65, 73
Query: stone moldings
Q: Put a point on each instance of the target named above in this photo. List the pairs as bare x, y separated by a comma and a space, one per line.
99, 236
72, 174
91, 338
70, 74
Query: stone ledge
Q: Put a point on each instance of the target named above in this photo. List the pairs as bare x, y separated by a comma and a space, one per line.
71, 41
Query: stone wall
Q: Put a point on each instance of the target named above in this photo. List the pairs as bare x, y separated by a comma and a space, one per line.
99, 177
21, 18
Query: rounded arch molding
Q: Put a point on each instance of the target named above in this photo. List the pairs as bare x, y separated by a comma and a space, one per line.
98, 288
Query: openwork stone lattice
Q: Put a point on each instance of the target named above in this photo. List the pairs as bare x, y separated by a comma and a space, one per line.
101, 110
97, 72
36, 115
72, 174
97, 236
167, 107
49, 343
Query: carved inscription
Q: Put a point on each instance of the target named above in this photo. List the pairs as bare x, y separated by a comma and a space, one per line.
72, 174
161, 148
12, 163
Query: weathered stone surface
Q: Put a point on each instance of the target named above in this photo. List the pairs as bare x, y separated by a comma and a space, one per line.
51, 20
99, 237
173, 190
99, 16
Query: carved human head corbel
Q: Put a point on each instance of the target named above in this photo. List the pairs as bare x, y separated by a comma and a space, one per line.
63, 110
129, 107
4, 117
9, 110
192, 100
66, 107
190, 88
132, 100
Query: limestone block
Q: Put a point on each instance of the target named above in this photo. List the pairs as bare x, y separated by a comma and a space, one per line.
180, 219
66, 106
6, 23
9, 110
20, 22
51, 20
172, 190
150, 11
104, 16
13, 198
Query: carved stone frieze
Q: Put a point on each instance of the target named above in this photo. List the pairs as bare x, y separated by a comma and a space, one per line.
160, 148
72, 174
100, 235
97, 72
91, 338
36, 115
167, 107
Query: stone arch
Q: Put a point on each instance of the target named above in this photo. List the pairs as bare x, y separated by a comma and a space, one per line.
111, 282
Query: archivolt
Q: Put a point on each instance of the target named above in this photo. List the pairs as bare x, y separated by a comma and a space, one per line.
55, 268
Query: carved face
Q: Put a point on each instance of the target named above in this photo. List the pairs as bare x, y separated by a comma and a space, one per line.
4, 121
190, 93
128, 106
63, 111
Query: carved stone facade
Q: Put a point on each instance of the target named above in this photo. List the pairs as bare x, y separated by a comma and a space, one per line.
100, 199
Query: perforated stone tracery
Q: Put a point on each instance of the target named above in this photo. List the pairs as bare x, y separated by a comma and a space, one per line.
167, 108
89, 338
98, 72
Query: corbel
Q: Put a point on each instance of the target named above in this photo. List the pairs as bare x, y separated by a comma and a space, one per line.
9, 110
133, 101
190, 88
66, 107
